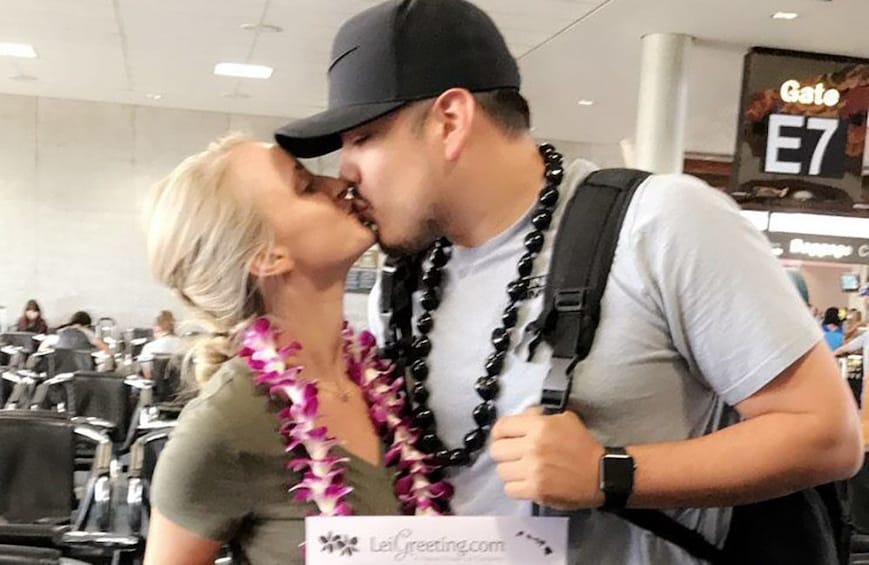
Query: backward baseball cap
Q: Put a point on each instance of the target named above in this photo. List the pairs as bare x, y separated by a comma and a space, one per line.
399, 52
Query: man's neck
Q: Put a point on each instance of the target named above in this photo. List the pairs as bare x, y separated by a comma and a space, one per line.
507, 175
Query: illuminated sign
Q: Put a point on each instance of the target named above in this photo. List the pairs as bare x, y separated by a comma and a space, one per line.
802, 133
792, 91
819, 248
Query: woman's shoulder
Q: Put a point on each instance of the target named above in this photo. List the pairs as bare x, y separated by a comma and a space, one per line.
231, 411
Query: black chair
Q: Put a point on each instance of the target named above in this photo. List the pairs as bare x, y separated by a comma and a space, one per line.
102, 400
25, 555
143, 460
71, 360
6, 386
22, 340
166, 378
58, 361
19, 387
37, 501
135, 339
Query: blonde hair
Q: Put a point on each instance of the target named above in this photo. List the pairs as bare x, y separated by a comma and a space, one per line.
201, 241
166, 321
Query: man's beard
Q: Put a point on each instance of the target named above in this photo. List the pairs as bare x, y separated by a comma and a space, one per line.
414, 244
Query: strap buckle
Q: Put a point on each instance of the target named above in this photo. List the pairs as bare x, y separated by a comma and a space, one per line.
557, 385
387, 284
570, 300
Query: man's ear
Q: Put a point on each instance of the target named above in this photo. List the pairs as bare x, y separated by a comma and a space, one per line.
453, 112
272, 262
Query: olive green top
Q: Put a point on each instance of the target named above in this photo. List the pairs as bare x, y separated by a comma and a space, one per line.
223, 474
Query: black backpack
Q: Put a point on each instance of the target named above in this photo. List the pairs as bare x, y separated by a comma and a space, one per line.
808, 527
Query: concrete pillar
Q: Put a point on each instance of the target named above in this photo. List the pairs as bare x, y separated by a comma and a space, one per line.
663, 101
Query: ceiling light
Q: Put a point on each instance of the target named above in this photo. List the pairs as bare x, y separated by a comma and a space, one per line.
23, 78
242, 70
585, 102
154, 96
21, 50
236, 95
785, 16
268, 28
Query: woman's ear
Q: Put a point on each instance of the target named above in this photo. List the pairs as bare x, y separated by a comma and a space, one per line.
272, 262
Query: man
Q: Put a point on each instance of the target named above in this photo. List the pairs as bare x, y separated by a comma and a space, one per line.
697, 318
857, 342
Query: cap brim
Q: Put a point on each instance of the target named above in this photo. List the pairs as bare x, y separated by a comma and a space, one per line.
321, 133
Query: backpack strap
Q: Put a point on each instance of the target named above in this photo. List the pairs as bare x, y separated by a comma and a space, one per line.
581, 260
398, 281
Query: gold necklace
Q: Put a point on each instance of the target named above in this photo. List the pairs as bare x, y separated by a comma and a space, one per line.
343, 394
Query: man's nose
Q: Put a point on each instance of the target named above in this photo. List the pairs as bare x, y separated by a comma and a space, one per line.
333, 187
347, 169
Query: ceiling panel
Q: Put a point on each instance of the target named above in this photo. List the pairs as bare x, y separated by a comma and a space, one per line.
121, 50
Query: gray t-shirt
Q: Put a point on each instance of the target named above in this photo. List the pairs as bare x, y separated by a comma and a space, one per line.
697, 316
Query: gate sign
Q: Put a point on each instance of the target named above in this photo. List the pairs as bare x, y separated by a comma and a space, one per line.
802, 131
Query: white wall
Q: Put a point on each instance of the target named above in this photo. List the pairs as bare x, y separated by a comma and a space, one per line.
824, 287
72, 179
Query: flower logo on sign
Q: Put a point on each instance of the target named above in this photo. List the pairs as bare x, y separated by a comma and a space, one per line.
340, 544
541, 543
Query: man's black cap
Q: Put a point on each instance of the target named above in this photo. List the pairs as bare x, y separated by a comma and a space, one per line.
398, 52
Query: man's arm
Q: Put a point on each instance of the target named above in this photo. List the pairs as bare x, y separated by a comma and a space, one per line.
853, 346
799, 431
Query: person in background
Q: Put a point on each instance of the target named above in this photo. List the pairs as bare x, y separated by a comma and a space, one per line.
165, 341
832, 326
853, 324
31, 319
76, 334
859, 342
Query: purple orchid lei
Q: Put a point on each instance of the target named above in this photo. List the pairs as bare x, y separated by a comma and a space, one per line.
323, 473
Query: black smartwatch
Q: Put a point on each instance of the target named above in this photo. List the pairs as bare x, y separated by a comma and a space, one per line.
616, 477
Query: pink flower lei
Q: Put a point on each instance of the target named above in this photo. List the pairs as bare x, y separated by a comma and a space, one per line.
323, 473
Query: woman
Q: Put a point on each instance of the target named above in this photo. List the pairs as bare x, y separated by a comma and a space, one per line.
239, 232
31, 319
832, 326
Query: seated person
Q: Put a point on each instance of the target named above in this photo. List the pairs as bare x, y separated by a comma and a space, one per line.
165, 342
31, 319
76, 334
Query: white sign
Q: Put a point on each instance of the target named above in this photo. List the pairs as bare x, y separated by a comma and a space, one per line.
777, 140
448, 540
819, 250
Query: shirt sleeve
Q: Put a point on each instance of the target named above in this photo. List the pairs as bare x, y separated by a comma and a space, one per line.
731, 309
199, 482
855, 344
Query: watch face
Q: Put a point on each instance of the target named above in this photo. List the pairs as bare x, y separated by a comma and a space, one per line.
617, 473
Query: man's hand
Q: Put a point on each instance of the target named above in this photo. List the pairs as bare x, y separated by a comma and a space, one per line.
551, 460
